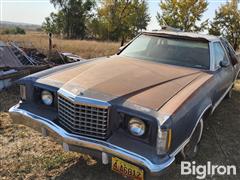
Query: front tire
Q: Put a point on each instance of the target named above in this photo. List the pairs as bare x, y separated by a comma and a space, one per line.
191, 148
229, 94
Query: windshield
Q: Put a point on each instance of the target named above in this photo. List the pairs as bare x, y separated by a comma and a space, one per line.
179, 52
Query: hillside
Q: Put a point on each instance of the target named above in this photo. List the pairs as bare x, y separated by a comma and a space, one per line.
26, 26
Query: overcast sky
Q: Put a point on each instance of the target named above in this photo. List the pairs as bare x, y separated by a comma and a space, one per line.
34, 11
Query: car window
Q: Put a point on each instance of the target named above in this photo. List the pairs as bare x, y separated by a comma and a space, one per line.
219, 54
231, 52
169, 50
140, 44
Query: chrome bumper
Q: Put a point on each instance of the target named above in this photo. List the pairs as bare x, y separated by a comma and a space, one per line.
47, 127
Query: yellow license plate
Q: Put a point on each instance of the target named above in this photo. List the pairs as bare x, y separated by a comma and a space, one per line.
127, 169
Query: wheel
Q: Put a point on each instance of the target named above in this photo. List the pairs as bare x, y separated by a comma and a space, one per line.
191, 148
229, 94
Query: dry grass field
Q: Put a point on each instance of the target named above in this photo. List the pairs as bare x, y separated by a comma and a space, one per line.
83, 48
25, 154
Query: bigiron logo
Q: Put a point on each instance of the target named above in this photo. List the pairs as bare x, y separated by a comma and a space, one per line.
209, 169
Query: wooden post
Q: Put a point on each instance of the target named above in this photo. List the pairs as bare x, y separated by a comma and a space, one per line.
50, 45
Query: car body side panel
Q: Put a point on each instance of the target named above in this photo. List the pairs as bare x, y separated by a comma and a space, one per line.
224, 78
188, 114
186, 111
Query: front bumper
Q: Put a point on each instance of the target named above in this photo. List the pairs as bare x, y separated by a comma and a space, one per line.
47, 127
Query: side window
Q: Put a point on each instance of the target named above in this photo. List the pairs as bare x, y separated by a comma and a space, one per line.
231, 52
219, 54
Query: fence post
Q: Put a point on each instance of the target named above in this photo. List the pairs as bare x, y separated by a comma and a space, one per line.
50, 45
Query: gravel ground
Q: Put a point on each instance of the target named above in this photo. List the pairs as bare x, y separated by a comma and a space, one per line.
25, 154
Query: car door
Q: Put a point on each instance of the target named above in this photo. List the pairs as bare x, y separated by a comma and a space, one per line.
224, 75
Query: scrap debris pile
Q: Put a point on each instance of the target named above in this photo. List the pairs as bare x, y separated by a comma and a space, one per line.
29, 52
17, 61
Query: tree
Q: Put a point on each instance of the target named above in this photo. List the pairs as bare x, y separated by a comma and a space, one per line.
235, 3
54, 23
97, 28
74, 14
227, 23
120, 19
15, 30
182, 14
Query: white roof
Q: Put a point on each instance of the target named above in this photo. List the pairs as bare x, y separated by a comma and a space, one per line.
185, 34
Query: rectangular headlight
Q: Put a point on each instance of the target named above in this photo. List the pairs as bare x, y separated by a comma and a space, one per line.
163, 141
23, 94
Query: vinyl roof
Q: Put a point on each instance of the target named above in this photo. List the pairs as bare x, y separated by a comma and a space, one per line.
188, 35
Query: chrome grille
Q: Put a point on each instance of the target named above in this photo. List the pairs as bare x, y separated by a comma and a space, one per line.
83, 119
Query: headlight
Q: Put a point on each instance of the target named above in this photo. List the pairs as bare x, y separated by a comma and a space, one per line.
47, 98
136, 127
163, 140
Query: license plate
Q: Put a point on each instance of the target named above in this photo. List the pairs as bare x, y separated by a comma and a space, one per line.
126, 169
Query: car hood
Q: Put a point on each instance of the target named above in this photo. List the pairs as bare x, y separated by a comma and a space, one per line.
122, 79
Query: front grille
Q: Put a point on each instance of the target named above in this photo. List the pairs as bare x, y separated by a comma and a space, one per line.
83, 119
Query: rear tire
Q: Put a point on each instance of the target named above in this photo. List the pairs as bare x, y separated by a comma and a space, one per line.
191, 148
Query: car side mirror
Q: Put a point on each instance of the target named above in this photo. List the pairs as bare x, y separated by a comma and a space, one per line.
224, 64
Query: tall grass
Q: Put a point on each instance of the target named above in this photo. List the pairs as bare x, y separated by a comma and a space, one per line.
85, 49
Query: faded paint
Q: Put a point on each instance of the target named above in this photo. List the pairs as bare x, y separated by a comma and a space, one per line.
171, 106
144, 83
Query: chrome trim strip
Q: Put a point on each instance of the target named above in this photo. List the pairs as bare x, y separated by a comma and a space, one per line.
212, 59
221, 98
237, 74
82, 99
162, 119
179, 148
22, 116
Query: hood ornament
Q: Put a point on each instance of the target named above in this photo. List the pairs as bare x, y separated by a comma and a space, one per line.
81, 93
